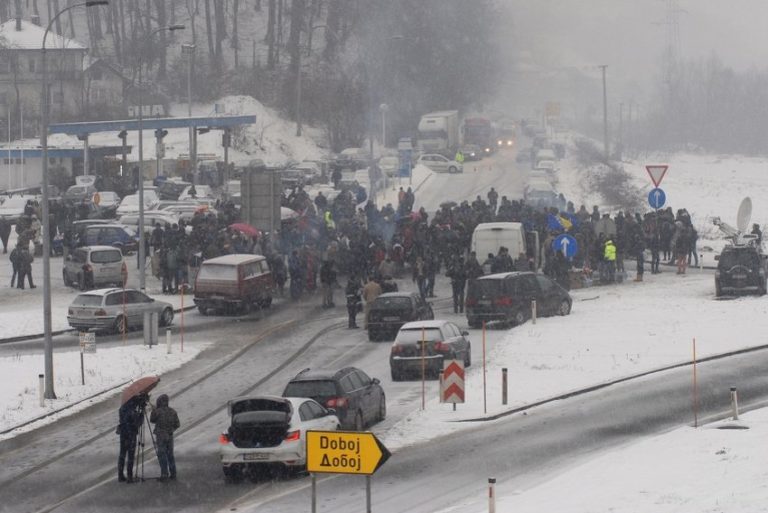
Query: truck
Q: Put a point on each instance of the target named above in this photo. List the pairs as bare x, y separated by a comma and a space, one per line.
480, 132
439, 132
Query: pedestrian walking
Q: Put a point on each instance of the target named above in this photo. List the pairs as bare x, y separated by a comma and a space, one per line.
371, 291
327, 281
25, 268
458, 275
420, 276
5, 232
166, 421
14, 258
352, 292
131, 415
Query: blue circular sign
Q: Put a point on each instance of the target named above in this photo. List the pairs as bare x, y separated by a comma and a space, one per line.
566, 244
657, 198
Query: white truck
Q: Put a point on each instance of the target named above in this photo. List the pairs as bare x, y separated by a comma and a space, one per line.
439, 132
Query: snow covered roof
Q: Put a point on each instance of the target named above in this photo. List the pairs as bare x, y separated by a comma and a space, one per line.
30, 37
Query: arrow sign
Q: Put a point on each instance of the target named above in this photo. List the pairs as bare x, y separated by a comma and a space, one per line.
657, 198
657, 172
344, 452
452, 385
567, 244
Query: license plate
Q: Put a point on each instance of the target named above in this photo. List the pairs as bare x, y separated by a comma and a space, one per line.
484, 302
739, 276
391, 318
257, 456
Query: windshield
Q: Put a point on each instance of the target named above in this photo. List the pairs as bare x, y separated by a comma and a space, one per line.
106, 257
729, 259
130, 200
217, 272
479, 288
392, 303
87, 300
313, 389
415, 335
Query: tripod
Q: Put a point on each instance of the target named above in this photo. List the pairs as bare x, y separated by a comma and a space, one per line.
140, 452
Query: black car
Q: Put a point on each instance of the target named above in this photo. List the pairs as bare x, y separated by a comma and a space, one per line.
740, 269
391, 310
422, 346
508, 297
358, 400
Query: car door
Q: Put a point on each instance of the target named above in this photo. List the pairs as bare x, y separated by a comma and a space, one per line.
441, 163
458, 341
549, 297
369, 394
533, 293
137, 303
352, 390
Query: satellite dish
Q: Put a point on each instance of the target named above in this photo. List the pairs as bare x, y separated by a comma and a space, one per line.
744, 215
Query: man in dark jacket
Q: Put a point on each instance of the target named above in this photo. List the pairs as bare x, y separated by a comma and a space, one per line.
327, 280
166, 421
5, 232
353, 300
131, 415
458, 276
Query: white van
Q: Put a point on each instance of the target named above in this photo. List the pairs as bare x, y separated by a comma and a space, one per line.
489, 237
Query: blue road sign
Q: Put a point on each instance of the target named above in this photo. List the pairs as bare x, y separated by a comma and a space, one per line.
657, 198
566, 244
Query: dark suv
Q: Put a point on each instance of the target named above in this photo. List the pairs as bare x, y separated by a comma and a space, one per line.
391, 310
740, 269
357, 399
507, 297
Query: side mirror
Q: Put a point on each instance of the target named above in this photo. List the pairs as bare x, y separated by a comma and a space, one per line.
375, 381
330, 411
717, 257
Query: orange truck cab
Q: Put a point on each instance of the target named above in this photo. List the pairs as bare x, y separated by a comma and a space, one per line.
233, 283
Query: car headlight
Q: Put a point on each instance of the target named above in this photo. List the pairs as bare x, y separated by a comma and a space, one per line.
500, 142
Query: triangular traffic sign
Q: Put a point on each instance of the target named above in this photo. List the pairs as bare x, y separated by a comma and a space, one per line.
656, 172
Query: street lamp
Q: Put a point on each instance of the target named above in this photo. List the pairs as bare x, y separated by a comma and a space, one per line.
49, 391
142, 249
189, 49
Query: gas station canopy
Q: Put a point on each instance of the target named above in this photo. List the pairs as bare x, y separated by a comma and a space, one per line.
90, 127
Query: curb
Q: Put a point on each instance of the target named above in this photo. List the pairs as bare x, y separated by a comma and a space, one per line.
593, 388
23, 338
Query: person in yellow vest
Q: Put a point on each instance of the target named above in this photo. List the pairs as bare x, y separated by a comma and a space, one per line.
328, 218
459, 157
609, 255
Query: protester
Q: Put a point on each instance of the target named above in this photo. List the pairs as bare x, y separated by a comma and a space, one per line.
166, 421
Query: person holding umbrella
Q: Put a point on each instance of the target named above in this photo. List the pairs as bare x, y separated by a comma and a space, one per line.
131, 415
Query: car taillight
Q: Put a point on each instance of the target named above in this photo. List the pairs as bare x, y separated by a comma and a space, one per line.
336, 402
471, 301
87, 268
397, 349
223, 439
100, 313
503, 301
441, 346
292, 436
70, 311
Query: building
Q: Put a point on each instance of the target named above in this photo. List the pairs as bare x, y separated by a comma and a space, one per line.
104, 88
21, 76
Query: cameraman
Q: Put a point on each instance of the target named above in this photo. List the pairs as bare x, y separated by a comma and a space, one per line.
166, 421
131, 415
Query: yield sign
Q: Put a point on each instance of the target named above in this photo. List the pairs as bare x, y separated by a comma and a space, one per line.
657, 172
452, 385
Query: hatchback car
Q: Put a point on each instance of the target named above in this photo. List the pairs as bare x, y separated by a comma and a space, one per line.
507, 297
424, 345
268, 431
740, 269
358, 400
91, 266
79, 193
440, 164
117, 310
130, 204
116, 235
391, 310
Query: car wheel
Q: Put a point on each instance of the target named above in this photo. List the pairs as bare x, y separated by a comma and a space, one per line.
203, 310
468, 356
66, 280
718, 289
565, 308
373, 336
232, 474
519, 318
396, 375
452, 169
267, 302
121, 325
359, 425
382, 408
474, 323
246, 308
166, 318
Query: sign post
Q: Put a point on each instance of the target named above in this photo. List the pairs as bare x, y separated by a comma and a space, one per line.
452, 384
87, 345
344, 452
567, 244
656, 172
657, 198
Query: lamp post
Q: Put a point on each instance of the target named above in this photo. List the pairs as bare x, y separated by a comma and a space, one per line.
49, 391
189, 49
142, 238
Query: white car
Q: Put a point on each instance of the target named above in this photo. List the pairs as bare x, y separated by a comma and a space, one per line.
108, 199
13, 208
270, 431
130, 204
440, 164
390, 166
151, 218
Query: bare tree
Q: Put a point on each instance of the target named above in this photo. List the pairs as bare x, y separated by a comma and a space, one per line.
235, 41
209, 34
161, 22
221, 26
270, 38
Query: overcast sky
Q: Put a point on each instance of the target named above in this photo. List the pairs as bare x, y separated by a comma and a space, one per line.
630, 35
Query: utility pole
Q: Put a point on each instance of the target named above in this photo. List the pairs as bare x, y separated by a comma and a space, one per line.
606, 147
620, 148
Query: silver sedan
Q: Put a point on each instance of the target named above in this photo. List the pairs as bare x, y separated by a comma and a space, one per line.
116, 310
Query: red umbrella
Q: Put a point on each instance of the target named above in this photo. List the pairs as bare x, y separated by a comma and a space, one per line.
138, 387
246, 229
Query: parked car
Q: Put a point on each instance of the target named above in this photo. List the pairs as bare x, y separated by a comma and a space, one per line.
391, 310
117, 310
113, 234
108, 203
79, 193
130, 204
358, 400
268, 431
740, 269
236, 282
507, 297
440, 164
13, 208
187, 212
171, 188
441, 340
151, 217
390, 166
91, 266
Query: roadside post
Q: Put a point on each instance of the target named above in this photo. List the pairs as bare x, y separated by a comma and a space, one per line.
41, 389
344, 452
533, 311
485, 395
491, 495
168, 340
656, 198
735, 402
695, 390
452, 382
423, 372
124, 278
87, 345
504, 384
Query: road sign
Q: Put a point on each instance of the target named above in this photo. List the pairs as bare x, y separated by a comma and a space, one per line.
567, 244
452, 385
657, 172
87, 342
344, 452
657, 198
